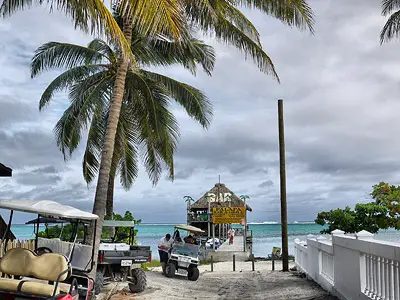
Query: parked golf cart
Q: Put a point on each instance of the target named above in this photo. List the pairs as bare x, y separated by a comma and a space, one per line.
183, 256
56, 269
120, 260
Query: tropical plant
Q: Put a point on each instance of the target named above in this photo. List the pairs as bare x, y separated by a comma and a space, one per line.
144, 120
383, 213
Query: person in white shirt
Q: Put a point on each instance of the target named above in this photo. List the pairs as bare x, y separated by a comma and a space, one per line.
163, 246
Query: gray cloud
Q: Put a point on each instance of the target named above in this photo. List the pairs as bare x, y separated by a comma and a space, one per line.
340, 91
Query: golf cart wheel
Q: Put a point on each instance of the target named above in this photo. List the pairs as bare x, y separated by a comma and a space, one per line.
170, 270
193, 273
98, 283
139, 281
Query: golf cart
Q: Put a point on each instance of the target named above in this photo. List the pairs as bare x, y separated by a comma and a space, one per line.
55, 269
120, 260
182, 255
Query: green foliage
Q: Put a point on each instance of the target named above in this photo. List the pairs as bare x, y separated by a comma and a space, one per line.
108, 234
62, 232
152, 264
383, 213
146, 125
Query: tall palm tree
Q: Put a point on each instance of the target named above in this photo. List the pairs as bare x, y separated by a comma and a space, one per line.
144, 121
391, 29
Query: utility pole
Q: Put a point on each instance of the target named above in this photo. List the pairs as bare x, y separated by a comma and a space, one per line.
282, 163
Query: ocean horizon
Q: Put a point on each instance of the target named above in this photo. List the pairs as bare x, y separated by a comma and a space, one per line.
265, 235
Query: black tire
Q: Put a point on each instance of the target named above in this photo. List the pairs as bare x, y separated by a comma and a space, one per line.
170, 270
98, 283
193, 273
139, 279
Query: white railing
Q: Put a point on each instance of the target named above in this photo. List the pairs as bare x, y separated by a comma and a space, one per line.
382, 278
352, 266
327, 266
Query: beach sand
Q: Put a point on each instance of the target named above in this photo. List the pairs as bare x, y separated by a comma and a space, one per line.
223, 283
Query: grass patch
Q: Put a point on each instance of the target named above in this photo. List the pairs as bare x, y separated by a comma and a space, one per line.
205, 262
152, 264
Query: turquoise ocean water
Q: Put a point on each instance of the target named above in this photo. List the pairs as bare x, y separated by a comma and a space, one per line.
265, 236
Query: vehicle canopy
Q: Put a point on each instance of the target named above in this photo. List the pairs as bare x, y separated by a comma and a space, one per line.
189, 228
47, 208
80, 256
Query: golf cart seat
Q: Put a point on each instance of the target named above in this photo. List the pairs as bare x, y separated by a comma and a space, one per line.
49, 267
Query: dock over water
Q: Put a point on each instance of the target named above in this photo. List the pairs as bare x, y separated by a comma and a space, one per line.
225, 252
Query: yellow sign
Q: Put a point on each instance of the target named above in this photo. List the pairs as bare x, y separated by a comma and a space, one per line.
228, 215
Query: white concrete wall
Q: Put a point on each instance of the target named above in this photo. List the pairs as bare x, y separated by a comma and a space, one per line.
351, 266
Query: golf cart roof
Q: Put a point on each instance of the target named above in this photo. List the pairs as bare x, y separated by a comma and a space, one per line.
45, 220
112, 223
189, 228
47, 208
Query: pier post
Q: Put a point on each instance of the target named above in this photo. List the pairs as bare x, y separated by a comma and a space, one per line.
285, 254
252, 262
234, 266
212, 263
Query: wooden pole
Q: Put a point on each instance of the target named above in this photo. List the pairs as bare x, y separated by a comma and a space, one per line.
285, 254
212, 263
252, 262
234, 265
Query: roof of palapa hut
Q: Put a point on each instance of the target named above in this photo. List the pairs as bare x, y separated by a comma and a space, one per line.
224, 200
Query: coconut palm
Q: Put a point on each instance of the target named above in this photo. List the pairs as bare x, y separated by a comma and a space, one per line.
391, 29
144, 121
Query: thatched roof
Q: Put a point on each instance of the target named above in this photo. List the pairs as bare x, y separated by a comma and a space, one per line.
226, 198
5, 171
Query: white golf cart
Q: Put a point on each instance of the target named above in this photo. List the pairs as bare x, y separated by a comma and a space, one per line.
184, 256
54, 269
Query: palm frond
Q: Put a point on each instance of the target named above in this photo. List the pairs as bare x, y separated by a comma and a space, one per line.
163, 52
292, 12
158, 127
102, 47
85, 97
66, 79
230, 34
388, 6
193, 100
54, 55
125, 150
91, 16
237, 18
391, 28
154, 16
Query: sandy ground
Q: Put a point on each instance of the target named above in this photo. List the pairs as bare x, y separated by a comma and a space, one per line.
223, 284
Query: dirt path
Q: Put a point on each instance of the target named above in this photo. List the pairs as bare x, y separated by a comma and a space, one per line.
258, 285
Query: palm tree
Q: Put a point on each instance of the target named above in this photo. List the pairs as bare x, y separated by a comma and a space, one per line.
144, 121
392, 27
188, 199
93, 16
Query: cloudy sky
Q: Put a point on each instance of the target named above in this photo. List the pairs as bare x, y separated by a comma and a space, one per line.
340, 91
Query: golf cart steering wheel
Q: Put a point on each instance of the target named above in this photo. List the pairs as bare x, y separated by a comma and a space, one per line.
42, 250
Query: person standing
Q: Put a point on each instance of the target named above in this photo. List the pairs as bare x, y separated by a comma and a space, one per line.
163, 246
231, 235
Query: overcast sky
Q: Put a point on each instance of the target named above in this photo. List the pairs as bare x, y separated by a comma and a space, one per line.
340, 91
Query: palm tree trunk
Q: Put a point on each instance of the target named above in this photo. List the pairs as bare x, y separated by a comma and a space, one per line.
100, 200
110, 203
110, 198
